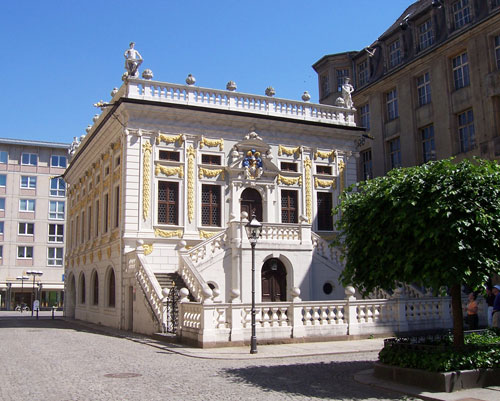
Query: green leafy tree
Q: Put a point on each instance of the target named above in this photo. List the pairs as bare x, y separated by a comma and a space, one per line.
437, 225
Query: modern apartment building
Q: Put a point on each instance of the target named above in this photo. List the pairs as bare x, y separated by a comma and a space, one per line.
428, 88
32, 222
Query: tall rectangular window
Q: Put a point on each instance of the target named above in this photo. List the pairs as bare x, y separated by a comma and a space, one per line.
497, 51
89, 226
4, 157
117, 206
1, 251
391, 99
97, 222
106, 212
168, 202
56, 232
211, 159
466, 131
3, 180
366, 164
395, 153
341, 75
55, 256
210, 205
363, 73
424, 89
26, 228
29, 159
26, 205
58, 161
28, 182
289, 212
461, 71
364, 114
394, 53
57, 187
425, 35
56, 210
82, 232
25, 252
428, 148
461, 13
325, 206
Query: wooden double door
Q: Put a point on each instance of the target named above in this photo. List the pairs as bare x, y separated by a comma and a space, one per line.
273, 281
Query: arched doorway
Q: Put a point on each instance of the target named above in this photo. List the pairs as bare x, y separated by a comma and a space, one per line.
273, 281
251, 202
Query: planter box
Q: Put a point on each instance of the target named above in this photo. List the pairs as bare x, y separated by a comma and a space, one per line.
438, 381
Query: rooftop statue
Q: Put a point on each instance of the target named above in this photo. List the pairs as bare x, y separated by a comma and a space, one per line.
133, 60
347, 89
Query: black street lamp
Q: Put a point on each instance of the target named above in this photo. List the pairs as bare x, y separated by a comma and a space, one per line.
34, 273
253, 229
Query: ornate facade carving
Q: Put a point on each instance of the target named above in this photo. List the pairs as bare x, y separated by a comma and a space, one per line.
168, 171
324, 155
148, 249
318, 183
308, 166
209, 173
179, 139
207, 234
168, 234
289, 151
341, 175
289, 180
191, 153
146, 186
212, 143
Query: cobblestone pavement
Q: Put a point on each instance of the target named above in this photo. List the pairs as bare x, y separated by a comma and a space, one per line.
59, 360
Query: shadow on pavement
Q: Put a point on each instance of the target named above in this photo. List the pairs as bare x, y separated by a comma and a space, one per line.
326, 380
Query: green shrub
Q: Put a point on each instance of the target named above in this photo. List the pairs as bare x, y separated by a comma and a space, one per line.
480, 351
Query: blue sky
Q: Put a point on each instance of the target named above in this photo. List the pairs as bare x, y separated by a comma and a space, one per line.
61, 56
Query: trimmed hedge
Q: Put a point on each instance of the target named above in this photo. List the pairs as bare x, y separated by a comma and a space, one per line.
481, 350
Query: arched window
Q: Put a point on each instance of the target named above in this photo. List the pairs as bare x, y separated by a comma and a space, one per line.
95, 288
82, 288
111, 289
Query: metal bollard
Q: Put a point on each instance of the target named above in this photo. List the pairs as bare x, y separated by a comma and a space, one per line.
37, 314
53, 312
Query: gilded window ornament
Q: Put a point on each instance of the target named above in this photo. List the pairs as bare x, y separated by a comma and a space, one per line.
206, 172
308, 166
146, 186
289, 151
168, 171
207, 234
341, 175
289, 180
324, 183
191, 153
324, 155
211, 143
148, 249
99, 255
91, 257
169, 139
108, 251
168, 234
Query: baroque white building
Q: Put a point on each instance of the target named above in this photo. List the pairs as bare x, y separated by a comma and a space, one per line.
160, 191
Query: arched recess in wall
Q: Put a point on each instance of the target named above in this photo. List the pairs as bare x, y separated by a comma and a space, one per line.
273, 281
251, 202
82, 289
71, 296
94, 287
110, 288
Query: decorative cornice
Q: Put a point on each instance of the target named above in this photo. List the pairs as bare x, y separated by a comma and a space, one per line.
169, 139
146, 186
324, 155
289, 151
289, 180
324, 183
168, 171
168, 234
211, 143
209, 173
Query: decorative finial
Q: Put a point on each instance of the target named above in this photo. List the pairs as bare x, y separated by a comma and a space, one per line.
270, 91
306, 96
89, 127
190, 80
147, 74
95, 118
231, 86
114, 92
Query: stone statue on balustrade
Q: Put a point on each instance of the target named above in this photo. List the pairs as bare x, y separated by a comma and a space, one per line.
347, 89
133, 60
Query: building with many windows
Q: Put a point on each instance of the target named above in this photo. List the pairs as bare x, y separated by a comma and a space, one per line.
32, 222
428, 88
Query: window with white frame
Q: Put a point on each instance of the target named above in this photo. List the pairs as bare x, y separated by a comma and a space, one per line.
341, 75
29, 159
26, 228
25, 252
3, 180
497, 51
26, 205
425, 35
466, 131
460, 66
394, 53
58, 161
2, 204
395, 153
56, 210
364, 116
211, 205
461, 13
55, 256
4, 157
428, 147
28, 182
424, 89
57, 187
56, 233
363, 73
391, 99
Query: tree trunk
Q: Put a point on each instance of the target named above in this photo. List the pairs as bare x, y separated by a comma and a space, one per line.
458, 322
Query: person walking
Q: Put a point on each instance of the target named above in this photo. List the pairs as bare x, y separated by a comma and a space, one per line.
472, 308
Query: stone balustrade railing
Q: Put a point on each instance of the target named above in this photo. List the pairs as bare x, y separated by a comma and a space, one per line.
195, 283
280, 232
216, 323
323, 248
235, 101
206, 250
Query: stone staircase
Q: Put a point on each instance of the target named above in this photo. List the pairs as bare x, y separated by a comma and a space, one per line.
171, 280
